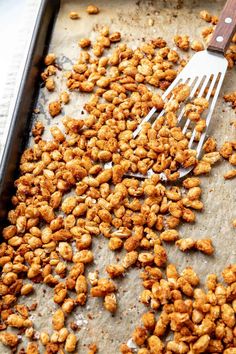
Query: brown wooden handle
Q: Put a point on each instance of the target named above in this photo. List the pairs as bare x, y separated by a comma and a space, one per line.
225, 28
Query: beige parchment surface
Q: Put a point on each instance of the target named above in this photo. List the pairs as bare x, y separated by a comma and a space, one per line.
131, 18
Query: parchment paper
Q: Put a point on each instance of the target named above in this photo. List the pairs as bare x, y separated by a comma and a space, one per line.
131, 18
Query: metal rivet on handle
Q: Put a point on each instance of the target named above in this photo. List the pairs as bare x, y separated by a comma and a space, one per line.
228, 20
219, 39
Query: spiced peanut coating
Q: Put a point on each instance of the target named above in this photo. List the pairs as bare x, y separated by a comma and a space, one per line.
92, 10
73, 15
136, 217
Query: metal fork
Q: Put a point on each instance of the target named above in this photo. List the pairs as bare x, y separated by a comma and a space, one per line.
205, 70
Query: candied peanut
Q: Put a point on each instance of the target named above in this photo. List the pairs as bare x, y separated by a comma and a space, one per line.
115, 243
57, 134
65, 251
115, 37
26, 289
171, 272
185, 286
110, 303
71, 342
73, 15
9, 278
155, 344
62, 335
84, 256
220, 293
191, 182
195, 204
205, 246
92, 348
230, 174
157, 101
232, 159
58, 319
84, 43
49, 59
54, 108
182, 42
81, 284
38, 129
202, 102
176, 347
149, 320
201, 168
115, 270
104, 287
130, 259
226, 150
160, 255
124, 349
228, 315
16, 321
139, 335
173, 56
169, 235
209, 145
86, 86
64, 97
32, 348
230, 351
104, 176
145, 258
194, 193
9, 339
211, 281
9, 232
117, 174
68, 305
50, 84
201, 344
92, 10
205, 15
197, 46
189, 274
211, 157
181, 93
68, 205
229, 274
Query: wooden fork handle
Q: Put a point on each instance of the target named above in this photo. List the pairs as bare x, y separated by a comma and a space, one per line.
225, 28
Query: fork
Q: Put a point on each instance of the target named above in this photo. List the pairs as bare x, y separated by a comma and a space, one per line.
205, 70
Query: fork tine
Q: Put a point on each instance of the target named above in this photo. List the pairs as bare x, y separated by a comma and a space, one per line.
192, 93
208, 95
212, 84
202, 89
210, 110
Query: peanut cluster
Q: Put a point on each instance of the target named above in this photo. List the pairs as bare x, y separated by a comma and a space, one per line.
202, 321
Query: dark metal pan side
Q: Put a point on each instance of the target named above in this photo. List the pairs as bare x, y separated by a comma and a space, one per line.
20, 121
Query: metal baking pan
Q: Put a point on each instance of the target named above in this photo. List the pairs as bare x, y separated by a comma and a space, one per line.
131, 18
21, 119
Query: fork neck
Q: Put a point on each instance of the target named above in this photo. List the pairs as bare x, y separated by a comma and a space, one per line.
225, 29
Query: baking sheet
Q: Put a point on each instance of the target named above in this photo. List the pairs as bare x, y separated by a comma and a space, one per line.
131, 18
